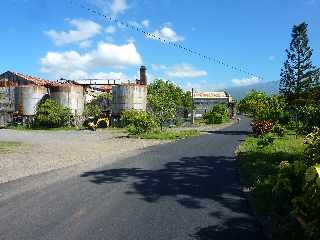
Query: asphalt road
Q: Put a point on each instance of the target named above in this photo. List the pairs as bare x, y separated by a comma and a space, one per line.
184, 190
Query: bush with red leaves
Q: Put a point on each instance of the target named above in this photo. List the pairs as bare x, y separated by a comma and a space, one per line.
261, 127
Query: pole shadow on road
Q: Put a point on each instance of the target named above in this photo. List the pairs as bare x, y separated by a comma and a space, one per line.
201, 182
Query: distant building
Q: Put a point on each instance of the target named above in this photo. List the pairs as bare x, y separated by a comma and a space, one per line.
204, 101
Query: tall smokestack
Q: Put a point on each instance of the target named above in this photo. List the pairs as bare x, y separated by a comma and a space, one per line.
143, 75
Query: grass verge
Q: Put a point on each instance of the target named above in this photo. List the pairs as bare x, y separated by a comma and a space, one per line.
170, 135
7, 146
257, 168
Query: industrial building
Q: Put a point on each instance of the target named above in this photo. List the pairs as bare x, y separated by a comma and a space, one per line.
204, 101
20, 94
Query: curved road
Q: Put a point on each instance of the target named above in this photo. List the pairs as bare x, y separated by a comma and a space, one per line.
184, 190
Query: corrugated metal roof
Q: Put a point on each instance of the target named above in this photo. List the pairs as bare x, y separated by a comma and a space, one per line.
34, 81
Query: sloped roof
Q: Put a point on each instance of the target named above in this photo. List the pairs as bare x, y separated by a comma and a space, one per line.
37, 81
34, 80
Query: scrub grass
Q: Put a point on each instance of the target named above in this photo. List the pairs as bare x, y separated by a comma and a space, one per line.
170, 135
7, 146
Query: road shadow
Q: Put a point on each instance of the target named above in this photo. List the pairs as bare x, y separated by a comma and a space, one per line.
233, 229
195, 183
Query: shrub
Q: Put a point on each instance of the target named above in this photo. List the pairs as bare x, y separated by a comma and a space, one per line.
265, 140
261, 127
307, 205
50, 114
102, 123
313, 147
138, 122
309, 116
92, 110
279, 130
217, 115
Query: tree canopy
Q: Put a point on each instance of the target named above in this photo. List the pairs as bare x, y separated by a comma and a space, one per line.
166, 100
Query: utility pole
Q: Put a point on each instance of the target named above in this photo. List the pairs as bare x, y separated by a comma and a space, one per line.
192, 113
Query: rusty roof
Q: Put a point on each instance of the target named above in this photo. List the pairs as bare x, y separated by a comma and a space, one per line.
39, 81
33, 80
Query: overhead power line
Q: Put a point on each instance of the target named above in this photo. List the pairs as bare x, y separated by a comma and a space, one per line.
140, 29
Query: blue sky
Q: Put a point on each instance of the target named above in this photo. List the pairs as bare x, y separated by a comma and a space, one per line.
54, 39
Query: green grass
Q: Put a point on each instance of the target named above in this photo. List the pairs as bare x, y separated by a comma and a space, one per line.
260, 162
170, 135
7, 146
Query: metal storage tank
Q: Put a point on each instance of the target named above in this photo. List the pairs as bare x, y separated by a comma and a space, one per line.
27, 98
70, 96
127, 97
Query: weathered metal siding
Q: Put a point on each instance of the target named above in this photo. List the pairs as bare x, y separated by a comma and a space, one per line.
27, 99
70, 96
128, 97
6, 105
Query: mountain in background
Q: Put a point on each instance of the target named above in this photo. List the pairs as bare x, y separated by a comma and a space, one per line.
270, 88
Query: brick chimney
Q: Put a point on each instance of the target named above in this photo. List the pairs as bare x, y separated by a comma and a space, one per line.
143, 75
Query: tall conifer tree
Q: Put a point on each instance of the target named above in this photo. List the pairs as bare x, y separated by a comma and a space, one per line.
298, 74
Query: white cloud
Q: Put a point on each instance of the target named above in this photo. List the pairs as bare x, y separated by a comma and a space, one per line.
85, 44
118, 6
84, 30
185, 71
166, 33
105, 55
145, 23
246, 81
110, 29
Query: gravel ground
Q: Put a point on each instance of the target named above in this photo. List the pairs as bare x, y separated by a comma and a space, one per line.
43, 151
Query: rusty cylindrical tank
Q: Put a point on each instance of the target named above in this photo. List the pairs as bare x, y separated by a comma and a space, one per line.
129, 97
70, 96
27, 97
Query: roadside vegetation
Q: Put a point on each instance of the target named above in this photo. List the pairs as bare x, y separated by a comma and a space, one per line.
8, 147
168, 104
280, 162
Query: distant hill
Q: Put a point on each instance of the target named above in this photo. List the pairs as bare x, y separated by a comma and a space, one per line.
270, 88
